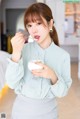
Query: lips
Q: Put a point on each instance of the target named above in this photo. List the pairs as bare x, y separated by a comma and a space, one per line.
37, 37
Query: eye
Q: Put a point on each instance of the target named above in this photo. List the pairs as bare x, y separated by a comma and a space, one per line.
39, 23
29, 25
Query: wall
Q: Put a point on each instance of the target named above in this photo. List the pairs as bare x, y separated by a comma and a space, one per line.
58, 9
73, 50
40, 1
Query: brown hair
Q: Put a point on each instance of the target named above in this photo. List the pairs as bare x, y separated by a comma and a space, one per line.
37, 11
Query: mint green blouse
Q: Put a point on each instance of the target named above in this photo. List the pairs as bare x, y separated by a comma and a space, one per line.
20, 78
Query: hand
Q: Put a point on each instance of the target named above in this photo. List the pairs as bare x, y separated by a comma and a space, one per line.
17, 44
45, 72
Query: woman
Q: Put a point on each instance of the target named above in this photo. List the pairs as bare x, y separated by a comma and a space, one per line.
37, 88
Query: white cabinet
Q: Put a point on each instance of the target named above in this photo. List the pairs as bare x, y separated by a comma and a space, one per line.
79, 63
3, 66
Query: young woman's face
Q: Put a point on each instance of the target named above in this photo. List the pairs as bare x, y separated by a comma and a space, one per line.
39, 31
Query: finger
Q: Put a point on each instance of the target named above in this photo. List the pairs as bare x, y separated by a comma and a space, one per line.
19, 41
36, 71
38, 74
40, 71
40, 63
21, 34
20, 38
18, 33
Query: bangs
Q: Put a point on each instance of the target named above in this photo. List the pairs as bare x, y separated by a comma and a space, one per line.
33, 17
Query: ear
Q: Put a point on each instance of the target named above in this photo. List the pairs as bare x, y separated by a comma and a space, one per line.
51, 24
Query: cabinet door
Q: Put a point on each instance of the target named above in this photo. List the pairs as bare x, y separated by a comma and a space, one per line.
12, 16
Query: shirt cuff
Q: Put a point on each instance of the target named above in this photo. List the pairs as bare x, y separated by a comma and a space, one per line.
12, 62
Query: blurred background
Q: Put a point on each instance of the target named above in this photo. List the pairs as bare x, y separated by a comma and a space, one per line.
66, 14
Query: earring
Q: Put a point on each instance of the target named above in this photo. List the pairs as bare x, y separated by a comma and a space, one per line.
51, 30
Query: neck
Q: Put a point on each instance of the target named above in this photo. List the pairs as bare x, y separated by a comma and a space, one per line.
45, 44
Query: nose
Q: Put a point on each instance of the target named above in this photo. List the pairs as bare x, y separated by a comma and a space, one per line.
34, 29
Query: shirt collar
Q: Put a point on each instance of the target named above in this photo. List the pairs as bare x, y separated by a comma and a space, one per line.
40, 48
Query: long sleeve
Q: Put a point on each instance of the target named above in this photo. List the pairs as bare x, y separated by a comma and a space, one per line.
19, 77
64, 82
14, 74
